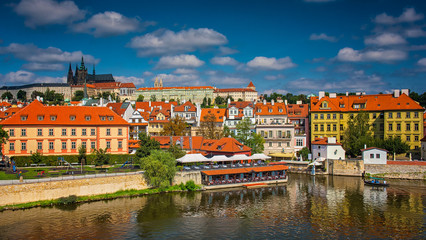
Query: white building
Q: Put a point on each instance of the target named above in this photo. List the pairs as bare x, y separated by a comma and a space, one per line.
327, 148
373, 155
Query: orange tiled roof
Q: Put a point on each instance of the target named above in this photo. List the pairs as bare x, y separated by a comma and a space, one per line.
165, 88
181, 108
196, 141
298, 110
116, 107
234, 90
145, 105
82, 86
225, 145
218, 112
245, 170
128, 85
107, 85
9, 112
250, 84
376, 102
5, 104
269, 109
38, 114
323, 141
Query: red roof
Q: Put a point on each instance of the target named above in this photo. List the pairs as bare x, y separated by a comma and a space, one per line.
298, 110
245, 170
225, 145
366, 149
116, 107
165, 141
269, 109
219, 113
181, 108
250, 84
38, 114
184, 88
107, 85
234, 90
378, 102
128, 85
5, 104
323, 141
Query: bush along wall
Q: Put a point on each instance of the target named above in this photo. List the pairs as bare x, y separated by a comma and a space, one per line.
25, 161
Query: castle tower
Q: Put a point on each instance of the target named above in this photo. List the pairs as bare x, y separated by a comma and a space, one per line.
161, 82
70, 79
251, 86
82, 73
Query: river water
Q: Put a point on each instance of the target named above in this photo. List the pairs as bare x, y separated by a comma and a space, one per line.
307, 207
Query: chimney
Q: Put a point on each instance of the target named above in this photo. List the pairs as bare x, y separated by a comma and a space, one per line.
365, 146
264, 101
363, 93
229, 101
272, 102
358, 93
150, 103
405, 91
321, 94
299, 102
333, 95
396, 93
347, 94
285, 102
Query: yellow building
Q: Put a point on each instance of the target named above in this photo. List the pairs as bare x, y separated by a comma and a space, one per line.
390, 115
61, 130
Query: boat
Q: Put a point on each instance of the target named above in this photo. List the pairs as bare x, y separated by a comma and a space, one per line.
374, 181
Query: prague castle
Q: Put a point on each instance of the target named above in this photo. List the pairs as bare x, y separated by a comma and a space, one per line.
81, 76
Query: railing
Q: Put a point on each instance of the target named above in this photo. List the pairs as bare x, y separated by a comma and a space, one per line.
245, 180
62, 178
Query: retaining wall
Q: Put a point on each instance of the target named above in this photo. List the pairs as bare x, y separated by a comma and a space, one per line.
397, 171
32, 192
183, 177
345, 167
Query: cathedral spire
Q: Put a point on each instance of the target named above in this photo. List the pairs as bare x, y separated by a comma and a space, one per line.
94, 73
82, 67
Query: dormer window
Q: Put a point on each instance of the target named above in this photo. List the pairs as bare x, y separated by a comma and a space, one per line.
53, 117
259, 110
110, 118
103, 118
281, 110
72, 117
270, 110
87, 118
40, 117
342, 105
24, 118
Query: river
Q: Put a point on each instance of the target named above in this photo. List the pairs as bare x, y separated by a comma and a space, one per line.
307, 207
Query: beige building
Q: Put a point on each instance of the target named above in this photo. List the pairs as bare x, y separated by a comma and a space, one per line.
246, 94
61, 88
61, 130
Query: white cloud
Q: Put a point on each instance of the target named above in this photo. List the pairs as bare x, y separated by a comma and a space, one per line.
179, 61
166, 42
350, 55
322, 36
274, 77
24, 77
136, 80
415, 32
185, 71
224, 61
385, 39
147, 73
422, 62
179, 80
280, 91
271, 63
108, 24
227, 51
409, 15
43, 66
46, 12
228, 80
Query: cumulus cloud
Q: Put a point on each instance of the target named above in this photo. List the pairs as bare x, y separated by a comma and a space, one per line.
185, 71
409, 15
24, 77
274, 77
179, 61
422, 62
108, 24
166, 42
179, 80
381, 55
415, 33
136, 80
224, 61
227, 50
228, 80
322, 36
271, 63
46, 12
43, 66
385, 39
280, 91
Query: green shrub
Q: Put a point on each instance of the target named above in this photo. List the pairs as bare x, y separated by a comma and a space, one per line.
52, 160
191, 186
68, 200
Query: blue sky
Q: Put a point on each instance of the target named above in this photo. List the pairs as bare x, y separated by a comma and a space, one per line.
297, 46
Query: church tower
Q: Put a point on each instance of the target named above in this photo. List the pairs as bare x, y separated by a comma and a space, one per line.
156, 83
70, 79
82, 73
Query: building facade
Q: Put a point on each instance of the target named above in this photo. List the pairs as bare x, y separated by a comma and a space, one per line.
298, 114
61, 130
389, 115
81, 76
327, 148
245, 94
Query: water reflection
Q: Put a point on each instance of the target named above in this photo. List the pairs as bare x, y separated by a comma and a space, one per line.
305, 207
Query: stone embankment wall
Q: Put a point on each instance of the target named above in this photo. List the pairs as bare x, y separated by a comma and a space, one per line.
183, 177
397, 171
345, 167
32, 192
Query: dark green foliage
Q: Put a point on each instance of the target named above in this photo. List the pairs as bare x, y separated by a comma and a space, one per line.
153, 98
160, 168
52, 160
82, 154
146, 145
392, 144
176, 151
292, 99
219, 100
36, 157
7, 95
68, 200
191, 186
4, 136
247, 137
101, 156
36, 94
140, 98
304, 153
357, 134
78, 95
421, 98
21, 95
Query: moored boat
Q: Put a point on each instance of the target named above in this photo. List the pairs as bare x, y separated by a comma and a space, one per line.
373, 181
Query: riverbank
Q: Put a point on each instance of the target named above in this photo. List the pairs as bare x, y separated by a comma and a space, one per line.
72, 199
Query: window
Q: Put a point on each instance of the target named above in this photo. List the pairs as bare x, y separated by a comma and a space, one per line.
39, 145
398, 127
334, 127
390, 127
120, 144
23, 146
73, 146
50, 131
92, 132
40, 117
72, 117
73, 132
279, 144
299, 142
316, 116
341, 127
280, 134
270, 134
416, 138
64, 131
408, 138
321, 128
328, 116
23, 132
93, 145
408, 127
39, 132
372, 155
50, 145
416, 114
120, 132
110, 118
328, 127
103, 118
270, 144
64, 145
374, 115
416, 127
12, 146
83, 132
84, 145
108, 143
321, 116
87, 117
12, 132
390, 115
341, 116
316, 127
52, 117
398, 115
377, 155
24, 118
408, 115
108, 132
334, 116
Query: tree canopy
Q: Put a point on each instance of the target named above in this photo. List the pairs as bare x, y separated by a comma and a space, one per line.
357, 134
219, 100
146, 145
7, 95
21, 95
246, 136
140, 98
78, 95
160, 168
175, 127
4, 136
208, 127
101, 156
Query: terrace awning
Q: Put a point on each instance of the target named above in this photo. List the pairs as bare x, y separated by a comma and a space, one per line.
193, 158
260, 156
219, 158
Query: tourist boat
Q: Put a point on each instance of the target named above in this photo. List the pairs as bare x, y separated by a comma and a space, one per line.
373, 181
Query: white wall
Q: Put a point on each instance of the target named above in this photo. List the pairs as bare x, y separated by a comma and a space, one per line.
335, 152
366, 156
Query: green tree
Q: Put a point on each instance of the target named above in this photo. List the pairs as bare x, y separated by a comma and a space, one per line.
393, 145
256, 143
176, 151
82, 154
209, 102
208, 128
219, 100
304, 153
244, 132
175, 127
49, 95
240, 99
4, 136
105, 95
160, 168
78, 95
140, 98
146, 145
101, 156
22, 95
7, 95
153, 98
36, 94
36, 157
58, 98
357, 134
226, 131
204, 104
